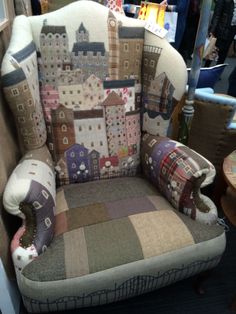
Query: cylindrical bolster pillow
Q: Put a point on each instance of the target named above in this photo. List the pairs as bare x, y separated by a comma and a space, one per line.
179, 173
30, 194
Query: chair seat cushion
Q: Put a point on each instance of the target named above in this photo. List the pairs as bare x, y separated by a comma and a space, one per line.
104, 224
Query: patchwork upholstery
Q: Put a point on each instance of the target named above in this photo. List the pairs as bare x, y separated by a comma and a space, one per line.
100, 227
30, 192
103, 193
22, 94
179, 172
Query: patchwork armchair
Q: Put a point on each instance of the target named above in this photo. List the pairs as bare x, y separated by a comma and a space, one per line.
111, 206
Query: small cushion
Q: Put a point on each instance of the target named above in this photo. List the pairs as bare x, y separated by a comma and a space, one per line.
208, 77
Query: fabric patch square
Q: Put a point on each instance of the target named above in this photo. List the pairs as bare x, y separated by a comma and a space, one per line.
61, 225
111, 244
159, 202
76, 257
160, 232
86, 215
123, 208
61, 202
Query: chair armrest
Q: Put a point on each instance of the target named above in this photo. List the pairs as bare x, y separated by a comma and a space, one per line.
179, 173
30, 194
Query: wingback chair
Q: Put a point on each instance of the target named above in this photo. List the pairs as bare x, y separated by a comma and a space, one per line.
111, 206
214, 123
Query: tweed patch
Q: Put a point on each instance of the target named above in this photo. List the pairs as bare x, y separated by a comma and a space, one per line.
100, 212
198, 230
116, 242
61, 225
112, 244
61, 201
39, 269
76, 257
161, 232
122, 208
159, 202
78, 195
100, 201
87, 215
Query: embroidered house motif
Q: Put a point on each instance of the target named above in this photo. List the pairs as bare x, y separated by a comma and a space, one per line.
91, 99
91, 94
21, 91
157, 94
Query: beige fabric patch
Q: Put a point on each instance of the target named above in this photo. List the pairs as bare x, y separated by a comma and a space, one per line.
61, 224
161, 232
76, 256
61, 203
160, 202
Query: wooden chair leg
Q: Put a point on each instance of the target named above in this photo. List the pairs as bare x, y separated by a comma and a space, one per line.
233, 304
199, 281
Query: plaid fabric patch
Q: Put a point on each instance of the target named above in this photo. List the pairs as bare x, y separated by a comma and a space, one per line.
177, 171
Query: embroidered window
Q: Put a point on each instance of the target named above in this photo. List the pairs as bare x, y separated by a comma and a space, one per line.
61, 115
45, 194
37, 205
20, 107
65, 140
152, 63
15, 91
25, 87
21, 119
126, 47
63, 128
126, 64
30, 102
48, 222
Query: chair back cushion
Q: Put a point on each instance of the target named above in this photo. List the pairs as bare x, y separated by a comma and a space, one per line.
89, 99
90, 72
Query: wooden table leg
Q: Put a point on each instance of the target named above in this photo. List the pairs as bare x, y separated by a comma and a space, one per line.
233, 304
228, 203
